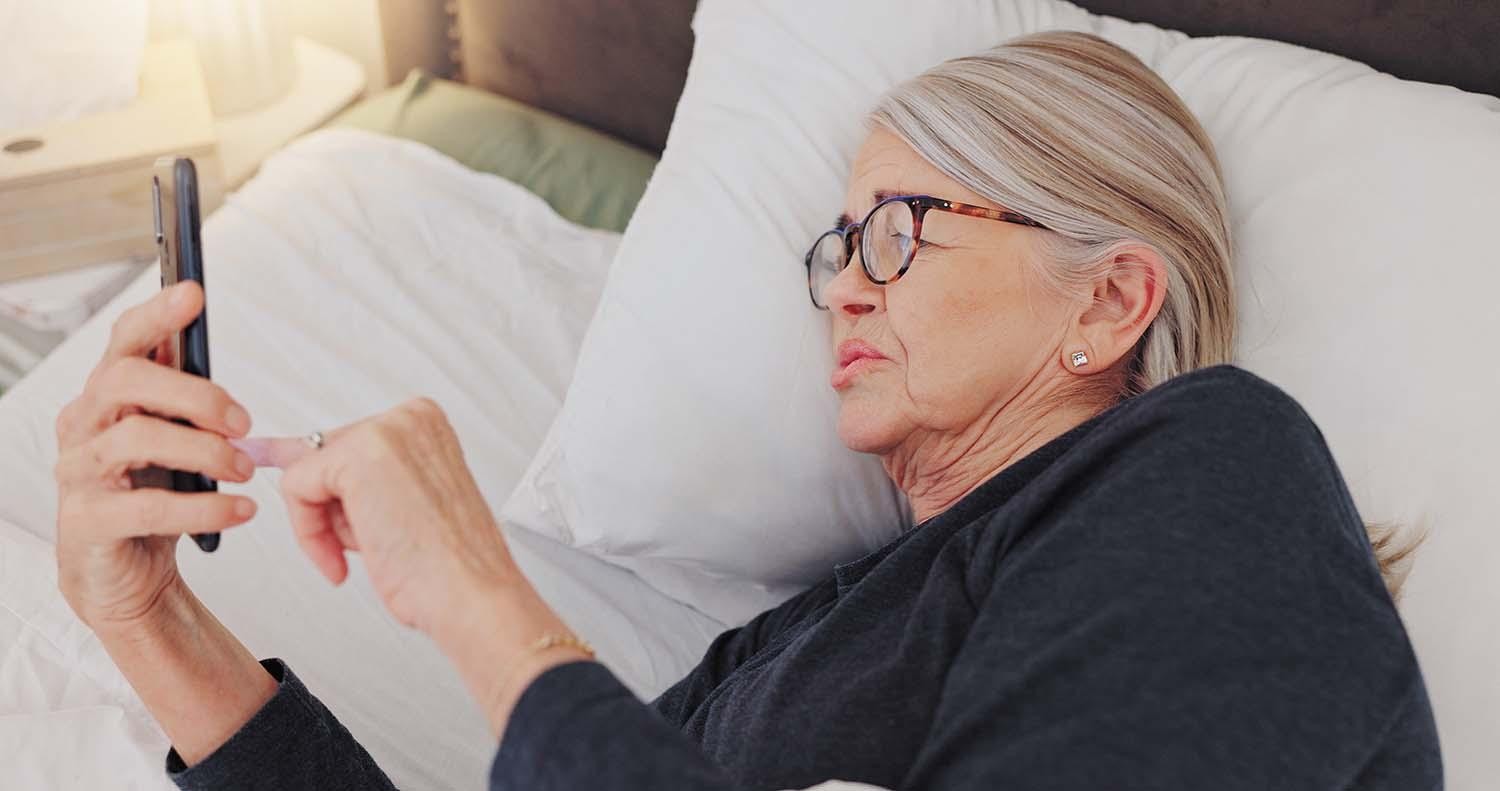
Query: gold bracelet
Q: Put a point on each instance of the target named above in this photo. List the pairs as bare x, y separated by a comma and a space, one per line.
553, 639
549, 640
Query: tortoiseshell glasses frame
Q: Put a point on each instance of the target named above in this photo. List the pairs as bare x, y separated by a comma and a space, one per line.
872, 259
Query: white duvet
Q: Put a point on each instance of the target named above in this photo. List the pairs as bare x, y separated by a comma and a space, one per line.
354, 272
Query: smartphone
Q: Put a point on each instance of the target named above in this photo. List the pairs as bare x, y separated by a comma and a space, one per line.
179, 244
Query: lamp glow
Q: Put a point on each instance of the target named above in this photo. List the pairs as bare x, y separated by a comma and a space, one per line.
245, 50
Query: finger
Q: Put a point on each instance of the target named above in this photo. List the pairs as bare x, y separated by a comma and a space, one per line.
162, 354
135, 383
313, 529
321, 545
69, 425
310, 503
342, 528
280, 452
149, 324
283, 452
160, 512
140, 441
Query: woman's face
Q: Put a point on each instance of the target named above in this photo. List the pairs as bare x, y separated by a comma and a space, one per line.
964, 332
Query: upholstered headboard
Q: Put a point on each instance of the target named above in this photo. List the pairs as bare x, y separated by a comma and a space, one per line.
1452, 42
615, 65
619, 65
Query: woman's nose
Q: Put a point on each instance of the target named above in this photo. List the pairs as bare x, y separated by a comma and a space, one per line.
851, 293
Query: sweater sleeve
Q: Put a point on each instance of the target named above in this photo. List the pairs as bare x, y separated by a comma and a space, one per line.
579, 717
732, 648
1202, 611
294, 742
576, 726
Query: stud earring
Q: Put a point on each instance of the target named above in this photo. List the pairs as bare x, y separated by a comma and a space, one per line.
1079, 358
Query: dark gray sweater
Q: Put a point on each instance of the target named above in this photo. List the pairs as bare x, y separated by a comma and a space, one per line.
1176, 594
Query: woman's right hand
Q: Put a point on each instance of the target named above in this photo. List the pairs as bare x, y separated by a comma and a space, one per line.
116, 542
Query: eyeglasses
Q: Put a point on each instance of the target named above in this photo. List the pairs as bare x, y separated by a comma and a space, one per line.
888, 239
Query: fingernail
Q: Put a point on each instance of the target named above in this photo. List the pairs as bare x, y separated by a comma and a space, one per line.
244, 508
179, 293
243, 465
237, 419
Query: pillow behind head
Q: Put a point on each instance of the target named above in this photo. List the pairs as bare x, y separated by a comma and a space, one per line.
697, 442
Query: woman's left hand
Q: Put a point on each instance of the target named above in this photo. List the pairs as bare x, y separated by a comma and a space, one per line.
395, 488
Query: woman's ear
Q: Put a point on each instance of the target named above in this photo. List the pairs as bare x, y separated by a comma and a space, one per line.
1125, 300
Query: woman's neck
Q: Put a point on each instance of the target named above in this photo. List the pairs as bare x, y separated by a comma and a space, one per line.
937, 469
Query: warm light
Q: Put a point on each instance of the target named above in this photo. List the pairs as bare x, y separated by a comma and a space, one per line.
65, 59
245, 49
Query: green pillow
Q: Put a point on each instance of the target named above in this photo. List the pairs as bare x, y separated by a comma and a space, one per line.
587, 176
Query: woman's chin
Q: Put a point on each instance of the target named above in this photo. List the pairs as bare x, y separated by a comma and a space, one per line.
864, 429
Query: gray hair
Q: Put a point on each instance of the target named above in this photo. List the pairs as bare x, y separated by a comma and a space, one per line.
1077, 133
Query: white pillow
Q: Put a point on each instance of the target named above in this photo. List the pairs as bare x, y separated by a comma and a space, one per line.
696, 445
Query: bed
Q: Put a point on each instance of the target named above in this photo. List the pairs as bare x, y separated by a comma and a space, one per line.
326, 324
517, 287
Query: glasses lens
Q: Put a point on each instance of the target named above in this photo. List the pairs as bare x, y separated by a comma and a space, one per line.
887, 240
826, 263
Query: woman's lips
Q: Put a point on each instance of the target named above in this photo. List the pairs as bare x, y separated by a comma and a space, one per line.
854, 348
843, 376
854, 357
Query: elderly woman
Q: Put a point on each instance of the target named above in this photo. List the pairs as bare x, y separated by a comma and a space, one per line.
1133, 565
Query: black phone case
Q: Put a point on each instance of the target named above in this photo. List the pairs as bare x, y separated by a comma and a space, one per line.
180, 245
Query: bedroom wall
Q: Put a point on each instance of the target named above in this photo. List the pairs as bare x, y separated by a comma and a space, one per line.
387, 37
415, 34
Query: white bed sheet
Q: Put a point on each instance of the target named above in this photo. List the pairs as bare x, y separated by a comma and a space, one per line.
354, 272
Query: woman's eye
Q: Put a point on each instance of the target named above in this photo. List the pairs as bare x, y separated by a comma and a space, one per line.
904, 240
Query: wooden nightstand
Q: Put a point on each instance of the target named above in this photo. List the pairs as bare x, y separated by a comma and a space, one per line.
83, 197
79, 192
